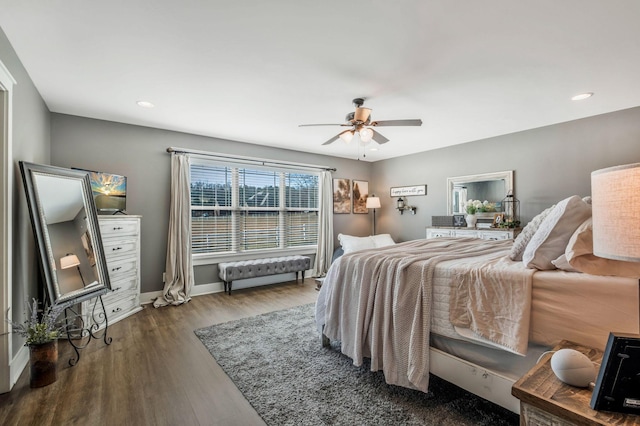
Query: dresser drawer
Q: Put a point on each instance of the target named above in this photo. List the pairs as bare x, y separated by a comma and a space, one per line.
120, 306
496, 235
122, 247
118, 269
437, 233
110, 228
467, 233
124, 283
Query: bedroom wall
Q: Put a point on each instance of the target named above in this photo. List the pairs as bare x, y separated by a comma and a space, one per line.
549, 163
31, 142
140, 154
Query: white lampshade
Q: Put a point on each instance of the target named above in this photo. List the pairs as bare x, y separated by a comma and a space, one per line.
69, 261
346, 136
373, 202
366, 134
615, 194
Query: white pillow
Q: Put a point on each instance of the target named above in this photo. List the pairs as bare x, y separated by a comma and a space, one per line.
523, 238
580, 256
350, 243
554, 233
382, 240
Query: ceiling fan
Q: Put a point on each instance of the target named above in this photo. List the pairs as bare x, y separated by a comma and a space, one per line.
360, 122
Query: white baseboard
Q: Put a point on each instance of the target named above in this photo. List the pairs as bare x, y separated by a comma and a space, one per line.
202, 289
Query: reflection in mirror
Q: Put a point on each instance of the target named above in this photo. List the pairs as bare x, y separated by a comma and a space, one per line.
492, 187
65, 225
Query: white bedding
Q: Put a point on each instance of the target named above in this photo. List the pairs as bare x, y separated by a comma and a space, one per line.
378, 303
562, 303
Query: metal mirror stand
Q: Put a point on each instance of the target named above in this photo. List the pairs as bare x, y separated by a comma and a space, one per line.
65, 227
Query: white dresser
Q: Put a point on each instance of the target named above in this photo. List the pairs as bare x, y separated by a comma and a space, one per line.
121, 241
484, 233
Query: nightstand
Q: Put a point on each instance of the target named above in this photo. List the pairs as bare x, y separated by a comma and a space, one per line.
545, 400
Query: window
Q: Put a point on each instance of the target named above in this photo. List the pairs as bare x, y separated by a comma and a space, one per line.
237, 209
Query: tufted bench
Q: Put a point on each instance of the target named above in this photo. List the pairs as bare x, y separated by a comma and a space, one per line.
231, 271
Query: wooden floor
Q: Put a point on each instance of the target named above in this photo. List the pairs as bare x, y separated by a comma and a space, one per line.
155, 372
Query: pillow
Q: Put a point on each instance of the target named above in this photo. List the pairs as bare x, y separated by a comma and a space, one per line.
554, 233
580, 256
350, 243
526, 234
382, 240
563, 264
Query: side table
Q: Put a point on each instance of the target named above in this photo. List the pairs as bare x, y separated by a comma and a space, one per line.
545, 400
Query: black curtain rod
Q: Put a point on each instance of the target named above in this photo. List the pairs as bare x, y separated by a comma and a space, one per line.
248, 159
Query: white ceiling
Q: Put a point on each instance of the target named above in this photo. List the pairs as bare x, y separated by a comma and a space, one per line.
252, 71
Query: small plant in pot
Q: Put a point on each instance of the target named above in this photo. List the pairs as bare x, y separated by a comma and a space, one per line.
41, 333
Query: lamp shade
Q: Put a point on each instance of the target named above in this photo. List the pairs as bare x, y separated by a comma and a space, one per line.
366, 134
69, 261
615, 193
373, 202
346, 136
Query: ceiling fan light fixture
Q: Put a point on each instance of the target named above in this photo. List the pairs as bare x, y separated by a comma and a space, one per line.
362, 114
347, 135
366, 134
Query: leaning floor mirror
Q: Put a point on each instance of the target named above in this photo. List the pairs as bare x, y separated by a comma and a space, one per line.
65, 227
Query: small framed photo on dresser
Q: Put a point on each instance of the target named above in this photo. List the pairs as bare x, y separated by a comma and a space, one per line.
458, 221
498, 218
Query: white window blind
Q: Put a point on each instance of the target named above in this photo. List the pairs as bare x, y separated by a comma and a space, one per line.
242, 209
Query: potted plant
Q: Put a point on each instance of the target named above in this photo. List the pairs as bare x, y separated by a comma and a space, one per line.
41, 333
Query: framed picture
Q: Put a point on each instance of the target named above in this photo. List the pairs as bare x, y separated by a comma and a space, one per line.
360, 194
341, 196
458, 220
498, 218
403, 191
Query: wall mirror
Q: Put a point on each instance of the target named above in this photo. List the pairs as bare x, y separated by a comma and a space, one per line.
492, 187
65, 226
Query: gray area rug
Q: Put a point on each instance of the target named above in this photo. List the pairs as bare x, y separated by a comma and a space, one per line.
276, 360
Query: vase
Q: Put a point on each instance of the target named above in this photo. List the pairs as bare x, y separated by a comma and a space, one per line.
43, 364
471, 220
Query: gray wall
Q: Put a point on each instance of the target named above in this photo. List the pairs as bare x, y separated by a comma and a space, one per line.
31, 136
550, 163
140, 154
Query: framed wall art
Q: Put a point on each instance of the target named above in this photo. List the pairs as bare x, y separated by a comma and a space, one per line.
341, 196
360, 194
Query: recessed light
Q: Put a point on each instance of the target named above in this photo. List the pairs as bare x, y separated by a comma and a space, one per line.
373, 149
145, 104
582, 96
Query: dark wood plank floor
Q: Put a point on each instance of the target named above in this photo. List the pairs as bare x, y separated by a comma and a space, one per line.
156, 371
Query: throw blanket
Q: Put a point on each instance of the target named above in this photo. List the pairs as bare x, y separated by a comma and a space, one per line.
494, 301
378, 304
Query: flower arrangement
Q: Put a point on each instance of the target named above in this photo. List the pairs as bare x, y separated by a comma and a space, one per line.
38, 330
475, 206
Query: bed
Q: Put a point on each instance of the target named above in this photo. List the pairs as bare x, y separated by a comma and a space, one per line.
436, 306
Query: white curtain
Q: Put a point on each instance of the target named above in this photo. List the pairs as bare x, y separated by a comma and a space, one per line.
325, 227
178, 268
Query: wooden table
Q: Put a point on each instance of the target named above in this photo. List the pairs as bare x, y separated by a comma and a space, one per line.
545, 400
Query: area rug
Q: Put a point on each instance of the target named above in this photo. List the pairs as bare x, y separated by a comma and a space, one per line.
278, 363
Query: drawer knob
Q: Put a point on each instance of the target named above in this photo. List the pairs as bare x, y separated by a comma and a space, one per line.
116, 248
116, 289
117, 228
116, 310
116, 269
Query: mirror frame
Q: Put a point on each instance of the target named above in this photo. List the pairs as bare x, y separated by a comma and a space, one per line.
506, 175
41, 234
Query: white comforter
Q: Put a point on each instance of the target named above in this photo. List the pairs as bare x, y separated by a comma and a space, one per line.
378, 303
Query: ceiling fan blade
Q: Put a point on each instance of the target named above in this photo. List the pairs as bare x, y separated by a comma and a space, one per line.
332, 124
379, 138
332, 140
412, 122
